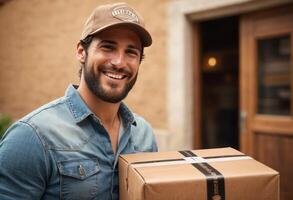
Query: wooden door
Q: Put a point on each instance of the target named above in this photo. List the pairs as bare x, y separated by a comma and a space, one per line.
266, 85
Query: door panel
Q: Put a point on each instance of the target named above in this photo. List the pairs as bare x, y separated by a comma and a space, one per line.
275, 151
266, 83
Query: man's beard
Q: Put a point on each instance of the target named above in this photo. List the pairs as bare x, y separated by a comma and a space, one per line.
93, 82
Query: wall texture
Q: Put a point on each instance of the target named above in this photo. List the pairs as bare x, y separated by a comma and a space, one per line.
37, 55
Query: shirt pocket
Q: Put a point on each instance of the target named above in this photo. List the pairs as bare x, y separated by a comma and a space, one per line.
78, 179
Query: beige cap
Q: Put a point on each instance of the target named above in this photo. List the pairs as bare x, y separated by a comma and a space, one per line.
106, 16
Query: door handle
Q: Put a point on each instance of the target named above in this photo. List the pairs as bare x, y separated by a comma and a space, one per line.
242, 121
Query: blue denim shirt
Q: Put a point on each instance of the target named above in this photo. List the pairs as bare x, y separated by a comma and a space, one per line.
62, 151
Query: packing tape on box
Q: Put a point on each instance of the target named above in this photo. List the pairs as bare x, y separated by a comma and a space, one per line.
215, 180
188, 160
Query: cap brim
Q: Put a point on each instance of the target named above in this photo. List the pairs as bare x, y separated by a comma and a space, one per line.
143, 34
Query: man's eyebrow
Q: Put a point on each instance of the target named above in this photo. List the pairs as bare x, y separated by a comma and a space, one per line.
108, 41
130, 46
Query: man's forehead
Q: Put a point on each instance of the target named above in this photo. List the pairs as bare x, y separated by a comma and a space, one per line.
117, 34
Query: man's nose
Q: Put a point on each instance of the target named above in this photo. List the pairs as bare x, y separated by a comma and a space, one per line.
119, 60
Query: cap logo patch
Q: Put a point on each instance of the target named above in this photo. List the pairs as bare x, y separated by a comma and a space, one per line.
125, 14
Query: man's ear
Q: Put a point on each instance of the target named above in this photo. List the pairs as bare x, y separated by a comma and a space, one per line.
80, 53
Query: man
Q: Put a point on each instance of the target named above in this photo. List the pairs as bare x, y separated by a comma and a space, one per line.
69, 148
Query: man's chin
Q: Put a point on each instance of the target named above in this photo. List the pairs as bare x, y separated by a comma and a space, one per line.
111, 96
112, 99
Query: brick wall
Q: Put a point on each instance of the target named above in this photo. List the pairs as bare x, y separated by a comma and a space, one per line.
37, 55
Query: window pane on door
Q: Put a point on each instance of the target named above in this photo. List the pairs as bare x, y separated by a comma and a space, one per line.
274, 76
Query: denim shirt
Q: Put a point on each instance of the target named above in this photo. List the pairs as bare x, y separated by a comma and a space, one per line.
62, 151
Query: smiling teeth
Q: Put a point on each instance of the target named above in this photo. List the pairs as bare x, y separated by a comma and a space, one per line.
115, 76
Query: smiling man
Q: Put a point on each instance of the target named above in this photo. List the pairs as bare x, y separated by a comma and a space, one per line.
69, 148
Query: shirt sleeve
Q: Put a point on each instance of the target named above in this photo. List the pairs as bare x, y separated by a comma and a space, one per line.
23, 168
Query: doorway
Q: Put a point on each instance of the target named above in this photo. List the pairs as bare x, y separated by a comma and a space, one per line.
219, 61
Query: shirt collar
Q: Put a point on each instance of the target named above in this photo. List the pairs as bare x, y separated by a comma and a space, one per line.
81, 111
126, 115
77, 106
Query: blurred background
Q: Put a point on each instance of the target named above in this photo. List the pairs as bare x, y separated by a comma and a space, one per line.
219, 72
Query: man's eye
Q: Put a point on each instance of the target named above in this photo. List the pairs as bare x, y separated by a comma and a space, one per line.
132, 52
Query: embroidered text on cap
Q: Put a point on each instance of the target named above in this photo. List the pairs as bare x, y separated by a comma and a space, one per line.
125, 14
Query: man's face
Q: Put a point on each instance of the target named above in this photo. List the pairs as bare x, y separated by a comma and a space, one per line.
111, 64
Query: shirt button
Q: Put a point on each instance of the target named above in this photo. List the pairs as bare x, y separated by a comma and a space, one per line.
81, 170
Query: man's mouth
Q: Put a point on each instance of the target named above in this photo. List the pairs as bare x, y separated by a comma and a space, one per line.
114, 75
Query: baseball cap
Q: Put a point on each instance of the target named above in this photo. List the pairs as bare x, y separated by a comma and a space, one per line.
107, 16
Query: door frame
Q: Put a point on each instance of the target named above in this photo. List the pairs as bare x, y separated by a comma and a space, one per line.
183, 97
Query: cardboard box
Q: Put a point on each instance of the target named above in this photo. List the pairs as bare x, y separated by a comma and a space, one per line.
208, 174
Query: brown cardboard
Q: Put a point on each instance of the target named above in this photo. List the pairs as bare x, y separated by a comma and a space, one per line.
244, 178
